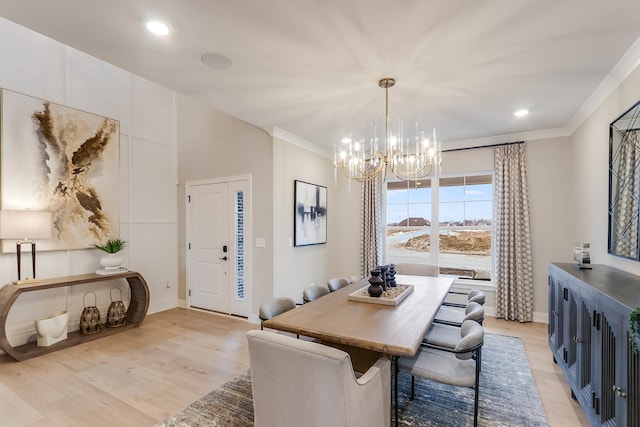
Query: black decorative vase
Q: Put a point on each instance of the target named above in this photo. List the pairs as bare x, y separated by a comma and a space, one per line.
384, 275
375, 284
391, 274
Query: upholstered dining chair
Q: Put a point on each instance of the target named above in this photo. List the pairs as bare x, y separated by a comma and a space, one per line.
414, 269
274, 307
314, 292
337, 283
458, 366
300, 383
455, 317
474, 295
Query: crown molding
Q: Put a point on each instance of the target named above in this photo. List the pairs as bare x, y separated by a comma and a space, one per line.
282, 134
627, 64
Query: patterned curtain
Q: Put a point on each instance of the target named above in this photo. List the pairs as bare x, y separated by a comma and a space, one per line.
371, 235
513, 241
625, 201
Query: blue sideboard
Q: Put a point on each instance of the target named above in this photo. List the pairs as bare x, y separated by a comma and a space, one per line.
589, 338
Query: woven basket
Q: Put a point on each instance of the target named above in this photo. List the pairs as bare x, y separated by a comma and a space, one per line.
90, 320
117, 311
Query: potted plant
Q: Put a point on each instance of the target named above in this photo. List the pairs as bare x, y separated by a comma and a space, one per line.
634, 324
111, 247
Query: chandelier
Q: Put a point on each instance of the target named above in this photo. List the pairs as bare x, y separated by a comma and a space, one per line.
407, 153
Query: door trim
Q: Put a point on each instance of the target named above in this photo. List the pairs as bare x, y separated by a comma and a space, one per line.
248, 227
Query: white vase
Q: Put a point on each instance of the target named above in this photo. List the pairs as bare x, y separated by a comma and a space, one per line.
52, 329
111, 261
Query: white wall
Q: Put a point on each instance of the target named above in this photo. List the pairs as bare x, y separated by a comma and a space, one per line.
551, 201
590, 152
214, 145
295, 268
43, 68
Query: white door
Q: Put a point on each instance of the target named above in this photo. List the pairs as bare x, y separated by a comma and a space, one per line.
218, 216
208, 246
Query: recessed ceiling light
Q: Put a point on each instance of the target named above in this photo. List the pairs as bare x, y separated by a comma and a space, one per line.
217, 61
158, 28
521, 113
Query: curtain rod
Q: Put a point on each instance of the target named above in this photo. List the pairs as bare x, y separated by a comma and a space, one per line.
483, 146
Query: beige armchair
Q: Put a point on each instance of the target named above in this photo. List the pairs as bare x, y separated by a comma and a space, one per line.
305, 384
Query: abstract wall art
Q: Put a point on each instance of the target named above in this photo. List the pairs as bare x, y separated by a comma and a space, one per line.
310, 216
62, 160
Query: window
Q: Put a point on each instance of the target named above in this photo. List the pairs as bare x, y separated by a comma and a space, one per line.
239, 232
464, 212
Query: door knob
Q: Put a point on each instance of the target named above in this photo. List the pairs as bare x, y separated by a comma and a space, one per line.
619, 391
224, 258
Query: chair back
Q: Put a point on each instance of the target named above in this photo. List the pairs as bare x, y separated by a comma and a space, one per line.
302, 383
275, 306
474, 311
476, 295
471, 339
337, 283
314, 292
413, 269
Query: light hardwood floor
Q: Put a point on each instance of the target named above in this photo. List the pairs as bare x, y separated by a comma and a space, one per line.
142, 376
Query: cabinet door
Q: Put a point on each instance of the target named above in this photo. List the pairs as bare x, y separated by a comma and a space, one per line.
562, 315
586, 348
629, 395
612, 373
571, 339
553, 313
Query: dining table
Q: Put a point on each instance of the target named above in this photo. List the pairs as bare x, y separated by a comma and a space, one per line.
368, 328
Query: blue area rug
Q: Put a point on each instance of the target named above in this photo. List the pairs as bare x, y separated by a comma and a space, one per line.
508, 397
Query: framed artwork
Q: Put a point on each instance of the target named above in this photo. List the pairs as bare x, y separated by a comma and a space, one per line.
62, 160
310, 214
624, 196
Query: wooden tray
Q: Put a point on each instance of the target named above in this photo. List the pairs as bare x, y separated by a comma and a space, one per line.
362, 295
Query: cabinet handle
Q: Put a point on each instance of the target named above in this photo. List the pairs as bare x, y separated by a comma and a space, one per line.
619, 391
576, 339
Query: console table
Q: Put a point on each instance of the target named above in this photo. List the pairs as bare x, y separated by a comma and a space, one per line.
136, 312
589, 338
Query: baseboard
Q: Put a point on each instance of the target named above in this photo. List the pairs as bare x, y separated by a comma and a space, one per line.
537, 317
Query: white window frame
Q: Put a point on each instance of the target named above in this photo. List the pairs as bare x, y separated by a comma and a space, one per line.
435, 226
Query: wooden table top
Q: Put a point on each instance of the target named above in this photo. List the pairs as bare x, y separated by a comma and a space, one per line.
392, 330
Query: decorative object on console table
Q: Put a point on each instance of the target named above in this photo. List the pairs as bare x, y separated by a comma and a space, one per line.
634, 326
90, 320
52, 329
117, 311
375, 284
25, 225
582, 255
111, 262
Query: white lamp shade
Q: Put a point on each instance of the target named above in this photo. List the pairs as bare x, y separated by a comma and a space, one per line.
25, 224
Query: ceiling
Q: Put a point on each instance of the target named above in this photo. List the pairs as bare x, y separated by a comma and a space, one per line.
311, 67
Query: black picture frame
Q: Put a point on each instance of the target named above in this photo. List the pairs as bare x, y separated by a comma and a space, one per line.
309, 214
624, 194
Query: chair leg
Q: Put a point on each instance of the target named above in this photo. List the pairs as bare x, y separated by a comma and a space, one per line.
477, 391
394, 360
413, 388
